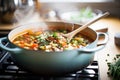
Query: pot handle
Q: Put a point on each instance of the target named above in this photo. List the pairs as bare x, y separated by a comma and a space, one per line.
99, 46
15, 50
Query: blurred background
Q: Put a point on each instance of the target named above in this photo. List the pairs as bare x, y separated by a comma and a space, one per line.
17, 12
113, 6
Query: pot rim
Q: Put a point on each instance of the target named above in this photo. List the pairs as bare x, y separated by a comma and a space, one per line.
50, 51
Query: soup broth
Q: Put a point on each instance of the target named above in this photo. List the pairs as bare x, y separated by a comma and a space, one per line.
50, 41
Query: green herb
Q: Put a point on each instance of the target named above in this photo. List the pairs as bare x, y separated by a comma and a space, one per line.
41, 39
114, 68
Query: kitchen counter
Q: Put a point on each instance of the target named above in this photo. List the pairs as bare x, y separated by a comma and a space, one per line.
113, 25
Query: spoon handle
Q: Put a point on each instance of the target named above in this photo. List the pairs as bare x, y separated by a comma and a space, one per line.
73, 33
90, 22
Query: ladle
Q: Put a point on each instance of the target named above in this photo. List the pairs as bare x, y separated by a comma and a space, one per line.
70, 35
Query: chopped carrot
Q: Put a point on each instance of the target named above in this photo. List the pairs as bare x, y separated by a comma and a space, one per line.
34, 46
22, 45
63, 43
21, 42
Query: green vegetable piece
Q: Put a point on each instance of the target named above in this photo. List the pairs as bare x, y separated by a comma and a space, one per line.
55, 35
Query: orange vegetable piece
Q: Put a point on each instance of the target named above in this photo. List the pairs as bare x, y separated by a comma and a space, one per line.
34, 46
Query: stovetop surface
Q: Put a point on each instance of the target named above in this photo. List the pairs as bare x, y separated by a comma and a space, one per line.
10, 71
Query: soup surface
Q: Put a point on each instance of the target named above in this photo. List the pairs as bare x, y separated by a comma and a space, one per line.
49, 41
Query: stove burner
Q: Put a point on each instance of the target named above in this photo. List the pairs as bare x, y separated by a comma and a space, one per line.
9, 71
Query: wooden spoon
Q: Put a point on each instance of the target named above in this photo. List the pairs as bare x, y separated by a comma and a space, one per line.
70, 35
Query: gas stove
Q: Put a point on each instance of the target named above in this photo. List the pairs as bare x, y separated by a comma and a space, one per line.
10, 71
